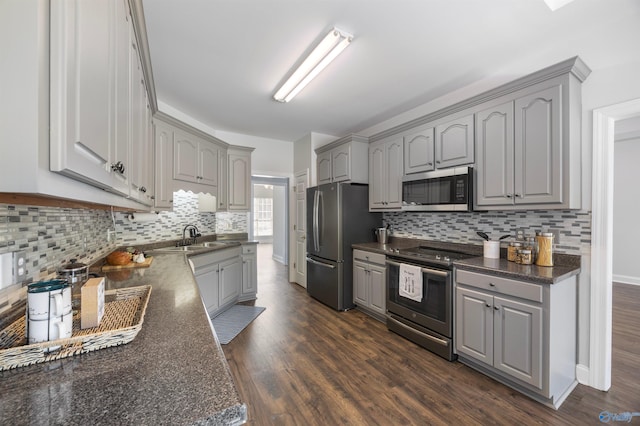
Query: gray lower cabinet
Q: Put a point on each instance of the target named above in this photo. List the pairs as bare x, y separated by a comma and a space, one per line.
520, 333
369, 279
219, 278
249, 272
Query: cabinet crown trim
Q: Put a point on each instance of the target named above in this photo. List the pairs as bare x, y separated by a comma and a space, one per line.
574, 66
187, 128
341, 141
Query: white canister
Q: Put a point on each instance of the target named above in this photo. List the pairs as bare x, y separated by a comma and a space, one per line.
50, 329
492, 249
48, 299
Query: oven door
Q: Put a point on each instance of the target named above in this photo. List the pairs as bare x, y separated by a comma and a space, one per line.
434, 312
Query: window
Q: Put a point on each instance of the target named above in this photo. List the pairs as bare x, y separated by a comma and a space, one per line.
263, 217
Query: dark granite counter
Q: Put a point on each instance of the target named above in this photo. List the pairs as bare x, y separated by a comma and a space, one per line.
565, 265
173, 372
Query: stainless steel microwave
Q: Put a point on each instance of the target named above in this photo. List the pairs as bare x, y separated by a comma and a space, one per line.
439, 190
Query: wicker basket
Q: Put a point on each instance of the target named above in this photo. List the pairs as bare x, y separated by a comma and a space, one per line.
123, 316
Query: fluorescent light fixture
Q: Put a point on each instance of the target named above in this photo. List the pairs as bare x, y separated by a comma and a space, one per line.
556, 4
330, 47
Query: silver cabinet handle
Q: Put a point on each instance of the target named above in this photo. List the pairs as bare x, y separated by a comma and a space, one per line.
426, 336
426, 270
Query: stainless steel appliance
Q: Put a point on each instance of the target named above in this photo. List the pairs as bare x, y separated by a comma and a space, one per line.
337, 217
429, 322
439, 190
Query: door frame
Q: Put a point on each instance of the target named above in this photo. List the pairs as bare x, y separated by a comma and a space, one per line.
600, 326
275, 181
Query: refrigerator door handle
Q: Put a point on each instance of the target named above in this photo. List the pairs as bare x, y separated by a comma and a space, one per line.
315, 262
316, 196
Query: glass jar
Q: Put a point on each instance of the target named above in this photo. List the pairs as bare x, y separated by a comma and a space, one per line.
545, 249
512, 251
532, 244
524, 257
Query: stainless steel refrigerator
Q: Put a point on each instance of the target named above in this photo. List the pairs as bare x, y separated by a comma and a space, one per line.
337, 217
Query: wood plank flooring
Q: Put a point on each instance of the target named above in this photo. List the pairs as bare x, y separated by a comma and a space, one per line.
301, 363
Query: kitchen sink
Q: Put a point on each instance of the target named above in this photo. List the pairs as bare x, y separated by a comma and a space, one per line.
181, 248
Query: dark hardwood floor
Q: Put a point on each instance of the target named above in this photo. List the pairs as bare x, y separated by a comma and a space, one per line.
301, 363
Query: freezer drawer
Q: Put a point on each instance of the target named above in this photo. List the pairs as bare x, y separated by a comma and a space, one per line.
325, 282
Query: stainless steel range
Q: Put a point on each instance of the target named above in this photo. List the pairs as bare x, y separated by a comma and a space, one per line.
425, 316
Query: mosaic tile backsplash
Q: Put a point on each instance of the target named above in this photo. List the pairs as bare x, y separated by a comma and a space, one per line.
573, 226
52, 236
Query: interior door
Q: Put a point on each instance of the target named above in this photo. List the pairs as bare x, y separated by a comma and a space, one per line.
300, 228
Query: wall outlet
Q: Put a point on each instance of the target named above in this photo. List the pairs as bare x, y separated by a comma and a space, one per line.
19, 266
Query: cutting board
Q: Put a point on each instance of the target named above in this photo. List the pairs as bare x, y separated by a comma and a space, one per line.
145, 264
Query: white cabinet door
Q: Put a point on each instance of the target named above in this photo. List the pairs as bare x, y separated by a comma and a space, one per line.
419, 151
360, 284
394, 171
518, 340
495, 173
185, 162
208, 284
239, 181
538, 147
230, 280
341, 163
208, 164
377, 288
323, 166
163, 165
385, 174
377, 177
249, 277
82, 70
474, 324
455, 142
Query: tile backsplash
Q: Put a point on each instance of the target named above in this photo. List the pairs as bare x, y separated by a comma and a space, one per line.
52, 236
573, 226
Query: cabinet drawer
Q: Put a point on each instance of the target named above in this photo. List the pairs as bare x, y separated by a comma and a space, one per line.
369, 257
524, 290
249, 248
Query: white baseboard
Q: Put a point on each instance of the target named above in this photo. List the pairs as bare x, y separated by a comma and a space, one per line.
279, 259
626, 279
582, 374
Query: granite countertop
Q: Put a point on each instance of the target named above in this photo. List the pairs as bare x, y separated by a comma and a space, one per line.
565, 265
173, 372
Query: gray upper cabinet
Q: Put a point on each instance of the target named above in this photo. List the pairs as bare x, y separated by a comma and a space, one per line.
455, 142
343, 160
385, 174
419, 149
239, 178
524, 160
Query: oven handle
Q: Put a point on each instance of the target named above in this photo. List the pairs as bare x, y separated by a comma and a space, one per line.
413, 330
427, 270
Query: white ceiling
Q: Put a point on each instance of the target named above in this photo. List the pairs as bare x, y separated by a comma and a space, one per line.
220, 61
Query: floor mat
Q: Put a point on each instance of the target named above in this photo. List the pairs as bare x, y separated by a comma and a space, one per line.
232, 321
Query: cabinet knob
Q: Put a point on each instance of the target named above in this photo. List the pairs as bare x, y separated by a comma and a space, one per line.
143, 189
519, 195
496, 308
437, 161
118, 167
492, 285
488, 305
430, 163
508, 195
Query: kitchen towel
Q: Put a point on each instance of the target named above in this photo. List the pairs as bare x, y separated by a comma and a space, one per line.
410, 282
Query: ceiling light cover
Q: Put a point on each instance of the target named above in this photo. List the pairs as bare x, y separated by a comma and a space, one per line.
330, 47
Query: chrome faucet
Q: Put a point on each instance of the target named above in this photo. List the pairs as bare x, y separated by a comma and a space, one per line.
193, 235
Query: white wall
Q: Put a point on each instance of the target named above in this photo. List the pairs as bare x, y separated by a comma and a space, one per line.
626, 200
279, 224
272, 157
